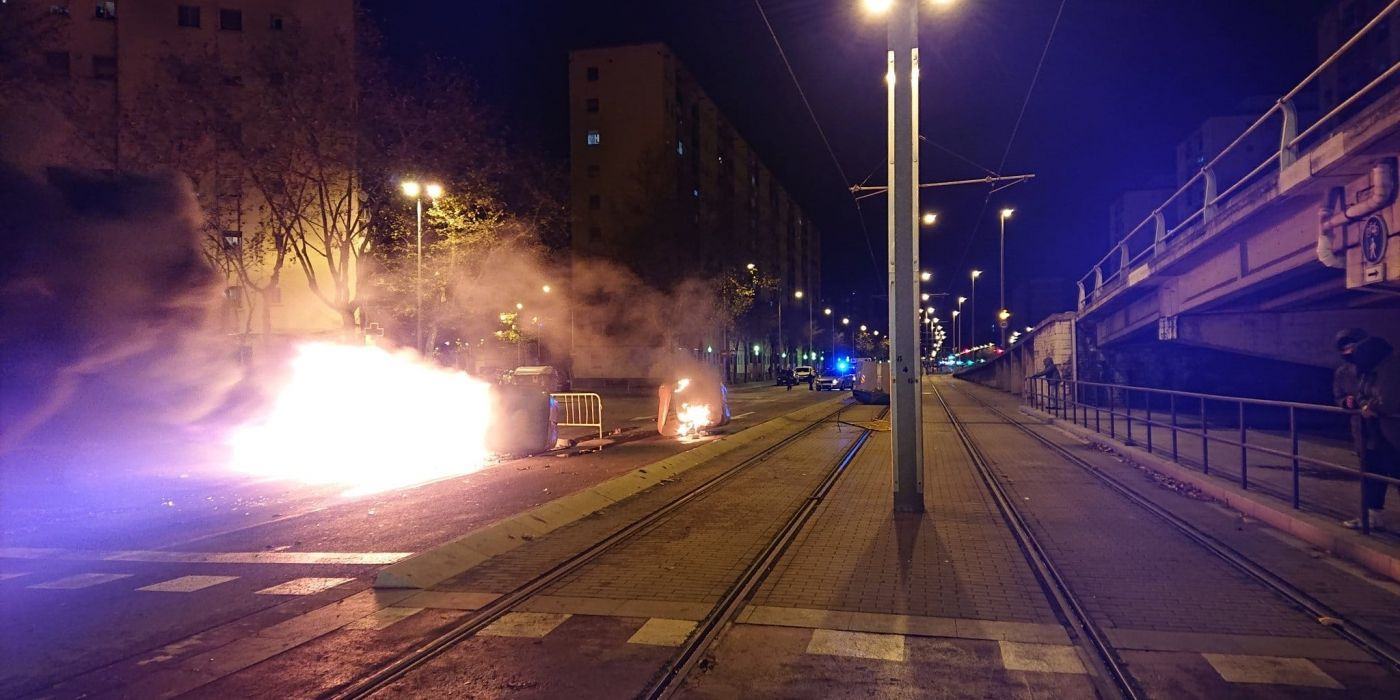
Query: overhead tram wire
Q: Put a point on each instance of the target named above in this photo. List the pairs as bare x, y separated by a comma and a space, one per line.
845, 181
1015, 128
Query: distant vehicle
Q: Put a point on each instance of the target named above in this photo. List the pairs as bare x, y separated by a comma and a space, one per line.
784, 378
543, 376
836, 382
804, 372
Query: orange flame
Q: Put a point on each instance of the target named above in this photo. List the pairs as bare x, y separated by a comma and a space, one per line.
369, 419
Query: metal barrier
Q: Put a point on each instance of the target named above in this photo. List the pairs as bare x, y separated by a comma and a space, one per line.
1075, 400
1157, 233
580, 410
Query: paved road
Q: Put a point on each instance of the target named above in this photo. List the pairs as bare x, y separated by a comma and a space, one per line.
160, 557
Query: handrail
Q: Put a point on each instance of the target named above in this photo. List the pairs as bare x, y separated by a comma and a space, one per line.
1325, 408
1289, 141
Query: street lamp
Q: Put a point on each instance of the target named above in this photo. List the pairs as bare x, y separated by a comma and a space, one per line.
957, 332
416, 191
1005, 214
925, 276
545, 289
929, 218
973, 322
831, 323
810, 335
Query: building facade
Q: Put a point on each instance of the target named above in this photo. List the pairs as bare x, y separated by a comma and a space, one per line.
140, 85
665, 186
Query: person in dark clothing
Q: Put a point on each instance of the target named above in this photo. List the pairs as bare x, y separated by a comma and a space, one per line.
1051, 374
1378, 398
1346, 382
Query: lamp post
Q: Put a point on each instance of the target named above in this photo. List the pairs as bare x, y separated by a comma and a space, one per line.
973, 323
413, 189
1002, 314
957, 332
799, 294
902, 179
831, 322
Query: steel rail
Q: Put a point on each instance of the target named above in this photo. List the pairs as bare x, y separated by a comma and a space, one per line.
396, 669
708, 631
1358, 635
1092, 642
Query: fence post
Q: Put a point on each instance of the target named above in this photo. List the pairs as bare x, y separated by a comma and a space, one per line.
1205, 441
1244, 452
1112, 416
1293, 438
1148, 423
1171, 401
1128, 414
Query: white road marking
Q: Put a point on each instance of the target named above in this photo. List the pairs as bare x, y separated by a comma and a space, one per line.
6, 577
187, 584
860, 645
1046, 658
1272, 670
741, 415
525, 624
165, 556
640, 417
383, 618
663, 632
80, 581
304, 586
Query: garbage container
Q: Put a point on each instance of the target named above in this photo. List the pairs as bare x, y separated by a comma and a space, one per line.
525, 421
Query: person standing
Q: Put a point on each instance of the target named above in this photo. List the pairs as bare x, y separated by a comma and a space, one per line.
1051, 374
1378, 398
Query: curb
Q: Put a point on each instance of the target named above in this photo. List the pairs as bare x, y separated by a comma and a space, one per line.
1377, 557
433, 566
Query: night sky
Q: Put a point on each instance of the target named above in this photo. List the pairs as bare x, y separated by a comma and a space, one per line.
1123, 82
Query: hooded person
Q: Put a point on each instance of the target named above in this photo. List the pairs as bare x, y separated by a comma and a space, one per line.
1346, 382
1378, 398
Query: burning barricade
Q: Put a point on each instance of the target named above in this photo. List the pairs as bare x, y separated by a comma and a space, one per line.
691, 405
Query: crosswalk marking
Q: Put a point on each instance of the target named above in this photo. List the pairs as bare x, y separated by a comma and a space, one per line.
1046, 658
525, 624
187, 584
1271, 670
383, 618
860, 645
304, 586
663, 632
79, 581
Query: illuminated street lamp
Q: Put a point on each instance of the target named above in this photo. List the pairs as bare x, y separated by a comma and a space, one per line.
831, 322
810, 335
925, 276
957, 338
929, 218
924, 296
973, 323
862, 328
1005, 214
415, 191
545, 289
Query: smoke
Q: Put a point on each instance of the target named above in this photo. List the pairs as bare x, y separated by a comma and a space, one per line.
108, 310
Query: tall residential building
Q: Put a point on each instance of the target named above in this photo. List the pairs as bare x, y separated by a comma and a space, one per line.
664, 185
104, 86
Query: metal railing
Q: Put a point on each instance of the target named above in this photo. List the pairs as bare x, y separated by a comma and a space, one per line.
1137, 246
1204, 419
582, 410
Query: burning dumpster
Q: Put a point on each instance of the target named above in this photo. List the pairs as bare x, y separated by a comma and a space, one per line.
525, 421
689, 406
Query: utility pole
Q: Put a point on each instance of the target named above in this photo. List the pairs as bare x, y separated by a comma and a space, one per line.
906, 393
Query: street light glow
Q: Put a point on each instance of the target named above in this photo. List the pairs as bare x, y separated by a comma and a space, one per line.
845, 321
411, 188
925, 276
519, 306
962, 299
750, 266
827, 311
929, 218
862, 327
924, 296
976, 274
1006, 213
798, 294
876, 7
433, 189
545, 289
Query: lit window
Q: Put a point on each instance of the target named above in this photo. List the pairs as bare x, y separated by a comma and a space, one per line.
680, 148
594, 138
592, 73
231, 20
232, 239
695, 193
591, 105
188, 16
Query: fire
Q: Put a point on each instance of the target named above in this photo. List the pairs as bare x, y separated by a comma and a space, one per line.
692, 419
366, 418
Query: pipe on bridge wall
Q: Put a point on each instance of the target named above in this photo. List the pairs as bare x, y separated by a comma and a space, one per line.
1054, 338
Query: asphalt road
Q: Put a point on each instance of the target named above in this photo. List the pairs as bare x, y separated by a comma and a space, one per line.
115, 558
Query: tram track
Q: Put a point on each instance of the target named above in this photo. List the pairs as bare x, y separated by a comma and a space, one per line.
670, 677
1123, 681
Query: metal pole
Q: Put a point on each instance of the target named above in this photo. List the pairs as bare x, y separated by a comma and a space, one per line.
1001, 281
418, 283
782, 358
906, 423
972, 322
